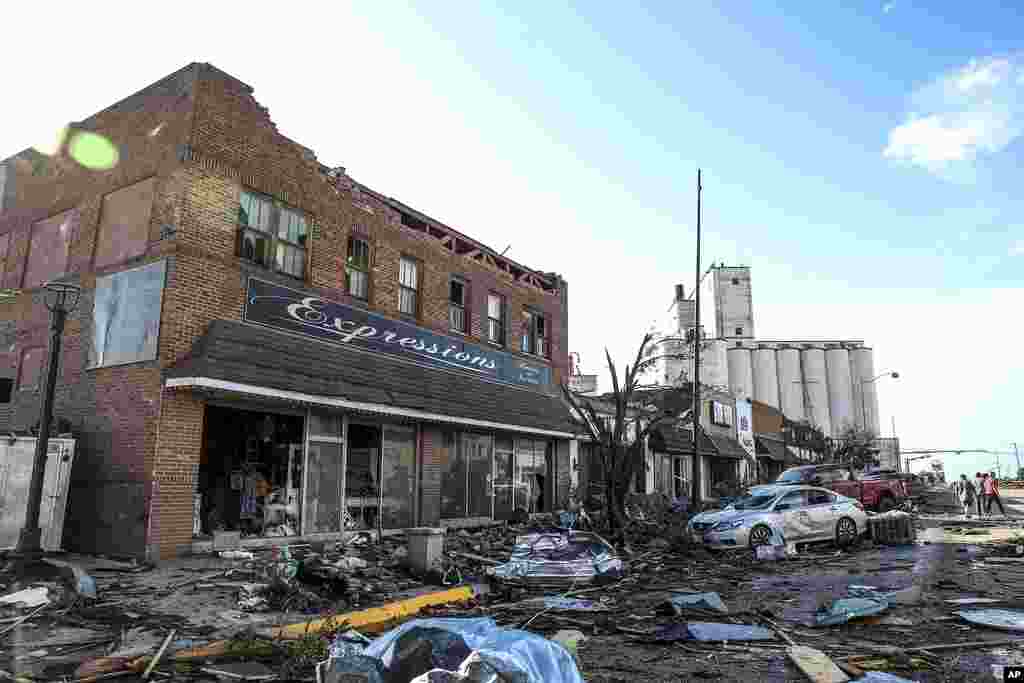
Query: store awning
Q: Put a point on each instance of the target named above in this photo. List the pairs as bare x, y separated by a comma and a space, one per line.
773, 449
728, 448
671, 439
239, 358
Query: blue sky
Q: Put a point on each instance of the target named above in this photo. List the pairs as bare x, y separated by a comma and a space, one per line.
863, 160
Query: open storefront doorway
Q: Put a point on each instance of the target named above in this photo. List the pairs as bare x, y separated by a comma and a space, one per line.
250, 473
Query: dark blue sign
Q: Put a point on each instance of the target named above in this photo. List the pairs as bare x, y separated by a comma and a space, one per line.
302, 313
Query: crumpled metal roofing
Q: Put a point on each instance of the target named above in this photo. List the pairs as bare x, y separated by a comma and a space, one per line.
560, 560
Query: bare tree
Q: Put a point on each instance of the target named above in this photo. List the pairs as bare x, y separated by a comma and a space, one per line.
637, 410
855, 447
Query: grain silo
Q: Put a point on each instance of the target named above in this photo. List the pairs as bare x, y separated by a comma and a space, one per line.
840, 395
791, 392
714, 363
766, 377
741, 372
862, 371
815, 378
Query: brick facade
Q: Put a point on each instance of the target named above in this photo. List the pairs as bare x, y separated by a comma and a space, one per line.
203, 138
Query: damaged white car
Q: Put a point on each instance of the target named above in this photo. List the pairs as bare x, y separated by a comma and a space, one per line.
800, 513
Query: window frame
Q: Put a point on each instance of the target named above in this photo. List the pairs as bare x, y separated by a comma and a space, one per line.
415, 289
739, 330
271, 231
500, 320
351, 265
539, 344
454, 307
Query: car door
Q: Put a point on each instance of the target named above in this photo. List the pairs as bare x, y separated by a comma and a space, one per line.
796, 521
823, 511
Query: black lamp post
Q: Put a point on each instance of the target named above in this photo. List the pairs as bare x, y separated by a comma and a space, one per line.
61, 299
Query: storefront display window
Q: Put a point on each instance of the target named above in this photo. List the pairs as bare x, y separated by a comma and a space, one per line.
477, 451
503, 478
323, 484
362, 476
533, 483
250, 473
398, 476
453, 479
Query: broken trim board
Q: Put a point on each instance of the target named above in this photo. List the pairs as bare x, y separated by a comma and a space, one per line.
816, 665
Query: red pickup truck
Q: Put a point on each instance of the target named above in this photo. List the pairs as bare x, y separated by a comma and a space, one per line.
879, 494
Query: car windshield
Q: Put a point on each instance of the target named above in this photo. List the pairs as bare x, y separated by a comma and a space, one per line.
792, 476
756, 502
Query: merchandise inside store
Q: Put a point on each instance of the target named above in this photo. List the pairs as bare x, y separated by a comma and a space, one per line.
250, 473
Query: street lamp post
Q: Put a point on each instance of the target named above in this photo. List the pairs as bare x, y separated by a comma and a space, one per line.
61, 299
863, 403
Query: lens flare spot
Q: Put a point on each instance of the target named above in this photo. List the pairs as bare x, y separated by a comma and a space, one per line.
93, 151
53, 146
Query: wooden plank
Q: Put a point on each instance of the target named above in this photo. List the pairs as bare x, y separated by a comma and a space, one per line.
816, 665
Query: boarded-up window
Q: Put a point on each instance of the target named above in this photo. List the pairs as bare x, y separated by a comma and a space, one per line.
5, 242
126, 316
124, 223
31, 368
48, 250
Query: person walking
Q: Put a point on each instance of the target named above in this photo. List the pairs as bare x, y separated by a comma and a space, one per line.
992, 495
965, 492
979, 487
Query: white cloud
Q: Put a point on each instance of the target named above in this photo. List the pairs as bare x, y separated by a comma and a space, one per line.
1017, 249
967, 113
888, 7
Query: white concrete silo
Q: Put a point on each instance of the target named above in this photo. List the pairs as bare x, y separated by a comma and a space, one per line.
815, 378
741, 372
840, 394
862, 371
714, 363
791, 392
766, 376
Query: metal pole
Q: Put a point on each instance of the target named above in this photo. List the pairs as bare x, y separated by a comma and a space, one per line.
29, 540
1016, 457
697, 476
863, 407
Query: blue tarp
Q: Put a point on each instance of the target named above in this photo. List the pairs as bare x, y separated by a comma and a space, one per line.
517, 655
1003, 619
682, 601
703, 630
841, 611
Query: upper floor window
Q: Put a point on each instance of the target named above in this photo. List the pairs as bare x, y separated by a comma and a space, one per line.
534, 339
496, 319
357, 268
49, 248
31, 368
457, 305
272, 235
124, 223
408, 286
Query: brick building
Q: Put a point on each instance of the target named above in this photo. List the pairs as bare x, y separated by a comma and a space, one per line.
264, 344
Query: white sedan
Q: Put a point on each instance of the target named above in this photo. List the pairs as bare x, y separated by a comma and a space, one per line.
798, 513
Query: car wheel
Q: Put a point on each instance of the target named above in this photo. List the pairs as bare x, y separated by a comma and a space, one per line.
886, 503
760, 535
846, 532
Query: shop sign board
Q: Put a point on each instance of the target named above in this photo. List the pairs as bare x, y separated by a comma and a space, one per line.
745, 427
291, 310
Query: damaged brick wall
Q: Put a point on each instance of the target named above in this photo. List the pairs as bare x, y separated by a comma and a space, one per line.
112, 411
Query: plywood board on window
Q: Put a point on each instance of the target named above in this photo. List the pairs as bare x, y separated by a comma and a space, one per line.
124, 223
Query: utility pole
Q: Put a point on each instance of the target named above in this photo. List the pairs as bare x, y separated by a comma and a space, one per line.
1016, 456
697, 477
